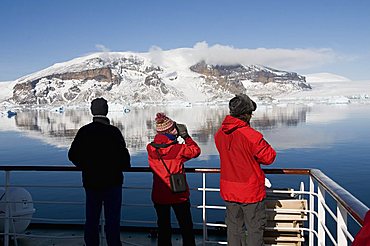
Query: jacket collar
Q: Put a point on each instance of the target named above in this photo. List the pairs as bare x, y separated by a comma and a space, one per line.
163, 140
101, 119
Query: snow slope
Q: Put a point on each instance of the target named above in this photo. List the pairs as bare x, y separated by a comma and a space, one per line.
331, 89
6, 89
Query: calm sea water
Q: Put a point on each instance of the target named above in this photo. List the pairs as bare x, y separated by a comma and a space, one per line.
333, 138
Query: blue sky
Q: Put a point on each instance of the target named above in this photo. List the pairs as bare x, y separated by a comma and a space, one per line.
35, 34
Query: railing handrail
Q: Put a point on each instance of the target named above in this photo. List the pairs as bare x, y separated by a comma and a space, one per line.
301, 171
354, 206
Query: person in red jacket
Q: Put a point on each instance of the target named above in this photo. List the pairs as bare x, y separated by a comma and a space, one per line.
363, 236
167, 156
242, 181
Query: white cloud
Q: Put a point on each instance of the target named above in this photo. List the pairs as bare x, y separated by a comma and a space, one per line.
290, 59
283, 59
156, 55
102, 48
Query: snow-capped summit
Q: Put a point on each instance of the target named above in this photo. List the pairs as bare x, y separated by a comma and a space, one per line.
154, 77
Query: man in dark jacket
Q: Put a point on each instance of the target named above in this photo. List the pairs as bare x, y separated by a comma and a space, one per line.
242, 182
99, 149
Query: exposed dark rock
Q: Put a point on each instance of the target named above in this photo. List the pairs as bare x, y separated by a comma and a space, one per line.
99, 74
152, 80
226, 78
23, 93
155, 81
229, 77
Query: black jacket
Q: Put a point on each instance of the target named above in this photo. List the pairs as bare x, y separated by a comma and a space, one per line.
99, 149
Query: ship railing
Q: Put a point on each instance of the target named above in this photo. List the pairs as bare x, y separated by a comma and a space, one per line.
334, 214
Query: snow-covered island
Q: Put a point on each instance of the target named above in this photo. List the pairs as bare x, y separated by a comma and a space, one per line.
170, 77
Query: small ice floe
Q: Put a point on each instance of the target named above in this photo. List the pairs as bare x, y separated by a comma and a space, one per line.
126, 110
184, 104
118, 107
58, 109
11, 113
188, 104
359, 97
339, 100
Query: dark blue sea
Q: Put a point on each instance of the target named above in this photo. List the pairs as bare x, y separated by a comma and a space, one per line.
332, 138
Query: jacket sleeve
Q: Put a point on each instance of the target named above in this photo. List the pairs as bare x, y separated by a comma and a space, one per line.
125, 158
74, 153
191, 149
264, 153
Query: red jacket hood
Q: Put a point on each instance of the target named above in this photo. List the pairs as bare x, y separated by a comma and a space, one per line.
230, 124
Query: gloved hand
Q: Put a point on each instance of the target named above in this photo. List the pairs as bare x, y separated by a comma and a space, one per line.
182, 130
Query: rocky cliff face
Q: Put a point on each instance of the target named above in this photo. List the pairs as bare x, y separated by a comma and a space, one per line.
103, 74
226, 78
26, 92
133, 78
231, 77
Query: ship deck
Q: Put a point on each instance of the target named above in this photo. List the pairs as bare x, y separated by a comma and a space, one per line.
72, 235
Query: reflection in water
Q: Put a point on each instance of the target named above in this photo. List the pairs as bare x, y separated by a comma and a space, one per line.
138, 126
273, 117
334, 139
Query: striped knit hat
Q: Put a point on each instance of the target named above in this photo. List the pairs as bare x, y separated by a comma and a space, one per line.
164, 124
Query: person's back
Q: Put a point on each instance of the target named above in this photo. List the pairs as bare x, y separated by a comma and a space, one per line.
167, 157
242, 181
242, 149
99, 149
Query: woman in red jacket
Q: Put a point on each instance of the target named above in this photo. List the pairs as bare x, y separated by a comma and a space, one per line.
166, 156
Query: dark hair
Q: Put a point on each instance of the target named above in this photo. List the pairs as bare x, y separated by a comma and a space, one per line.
99, 106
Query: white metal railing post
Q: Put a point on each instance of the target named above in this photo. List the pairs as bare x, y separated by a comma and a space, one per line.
341, 225
204, 217
7, 209
321, 214
311, 222
300, 196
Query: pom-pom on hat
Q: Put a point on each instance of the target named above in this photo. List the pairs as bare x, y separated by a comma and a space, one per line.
164, 124
241, 104
99, 106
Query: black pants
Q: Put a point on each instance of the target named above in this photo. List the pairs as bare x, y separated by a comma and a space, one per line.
112, 198
183, 215
240, 215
